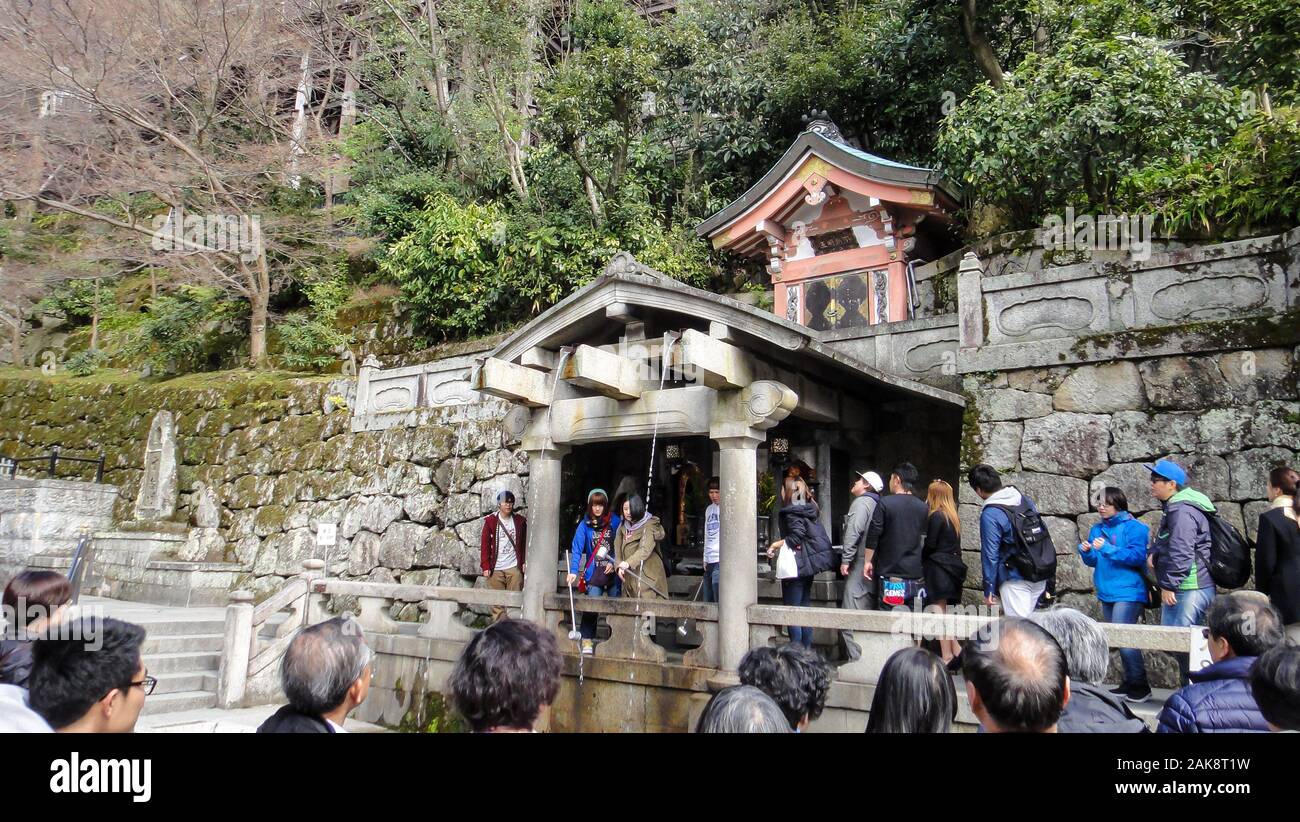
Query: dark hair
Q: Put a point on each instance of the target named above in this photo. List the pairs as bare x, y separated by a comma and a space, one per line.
1275, 682
1019, 672
1115, 498
908, 476
985, 478
742, 709
1250, 624
322, 663
915, 695
715, 484
32, 595
80, 664
795, 676
636, 507
505, 675
1285, 479
506, 496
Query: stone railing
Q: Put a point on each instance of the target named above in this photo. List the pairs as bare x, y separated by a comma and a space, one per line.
1019, 305
390, 397
246, 655
881, 633
375, 600
1114, 306
632, 623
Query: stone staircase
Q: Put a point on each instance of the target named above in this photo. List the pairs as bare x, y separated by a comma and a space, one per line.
182, 649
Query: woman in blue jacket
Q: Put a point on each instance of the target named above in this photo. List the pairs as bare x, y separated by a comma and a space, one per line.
592, 561
1117, 549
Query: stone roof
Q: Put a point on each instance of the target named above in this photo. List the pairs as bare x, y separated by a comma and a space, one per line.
626, 283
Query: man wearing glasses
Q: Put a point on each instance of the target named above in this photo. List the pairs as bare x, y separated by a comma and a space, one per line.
89, 677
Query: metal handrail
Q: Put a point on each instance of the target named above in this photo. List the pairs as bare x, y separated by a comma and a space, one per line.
9, 465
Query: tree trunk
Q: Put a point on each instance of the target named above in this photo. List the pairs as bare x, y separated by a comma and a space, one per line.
298, 137
257, 332
985, 58
94, 321
438, 54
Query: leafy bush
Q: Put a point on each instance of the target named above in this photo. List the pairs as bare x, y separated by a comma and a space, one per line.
1070, 125
1251, 183
85, 363
176, 331
308, 342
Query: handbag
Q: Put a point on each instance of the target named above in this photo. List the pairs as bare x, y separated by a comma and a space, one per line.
787, 567
1153, 592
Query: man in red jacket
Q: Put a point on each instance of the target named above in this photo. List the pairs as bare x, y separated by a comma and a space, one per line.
501, 550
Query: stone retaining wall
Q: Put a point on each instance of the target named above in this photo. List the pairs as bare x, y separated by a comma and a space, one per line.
279, 457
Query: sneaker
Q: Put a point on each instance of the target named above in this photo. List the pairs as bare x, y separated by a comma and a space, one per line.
588, 647
1138, 693
1122, 690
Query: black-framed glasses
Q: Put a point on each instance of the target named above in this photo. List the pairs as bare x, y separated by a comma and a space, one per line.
148, 683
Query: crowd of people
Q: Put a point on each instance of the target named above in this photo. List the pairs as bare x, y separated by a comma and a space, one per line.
1034, 669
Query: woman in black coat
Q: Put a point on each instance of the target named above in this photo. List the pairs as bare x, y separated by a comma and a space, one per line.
941, 557
1277, 548
807, 538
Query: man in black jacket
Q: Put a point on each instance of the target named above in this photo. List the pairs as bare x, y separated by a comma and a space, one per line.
325, 674
1092, 708
894, 541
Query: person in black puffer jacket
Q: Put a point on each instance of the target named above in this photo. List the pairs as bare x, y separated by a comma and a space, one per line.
1242, 625
803, 534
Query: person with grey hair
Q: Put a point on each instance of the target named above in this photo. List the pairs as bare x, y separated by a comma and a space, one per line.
742, 709
325, 674
1092, 708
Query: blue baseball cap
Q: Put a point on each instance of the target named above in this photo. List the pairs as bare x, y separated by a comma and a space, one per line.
1170, 470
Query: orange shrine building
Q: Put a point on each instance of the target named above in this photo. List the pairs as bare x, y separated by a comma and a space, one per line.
840, 230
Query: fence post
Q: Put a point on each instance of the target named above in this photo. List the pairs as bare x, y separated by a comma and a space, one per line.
232, 676
99, 469
54, 460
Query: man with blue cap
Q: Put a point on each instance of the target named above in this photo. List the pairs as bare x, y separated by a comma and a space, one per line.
1180, 556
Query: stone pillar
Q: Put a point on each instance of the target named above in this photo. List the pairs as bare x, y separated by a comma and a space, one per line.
970, 302
738, 476
543, 527
236, 650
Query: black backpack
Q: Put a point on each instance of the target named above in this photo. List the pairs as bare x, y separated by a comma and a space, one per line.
1034, 555
1229, 553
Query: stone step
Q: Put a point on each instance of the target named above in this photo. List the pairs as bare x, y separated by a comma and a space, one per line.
176, 643
192, 627
158, 703
183, 661
176, 681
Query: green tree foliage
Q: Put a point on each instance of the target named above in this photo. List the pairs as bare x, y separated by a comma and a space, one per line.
177, 331
1250, 184
1071, 124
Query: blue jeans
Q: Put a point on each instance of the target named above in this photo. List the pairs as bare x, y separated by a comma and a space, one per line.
1188, 610
1127, 613
711, 573
798, 591
589, 619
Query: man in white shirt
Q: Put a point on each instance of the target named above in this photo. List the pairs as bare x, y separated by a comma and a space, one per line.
712, 534
502, 549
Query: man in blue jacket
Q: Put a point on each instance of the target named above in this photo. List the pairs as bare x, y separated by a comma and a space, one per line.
1002, 583
1180, 555
1242, 625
